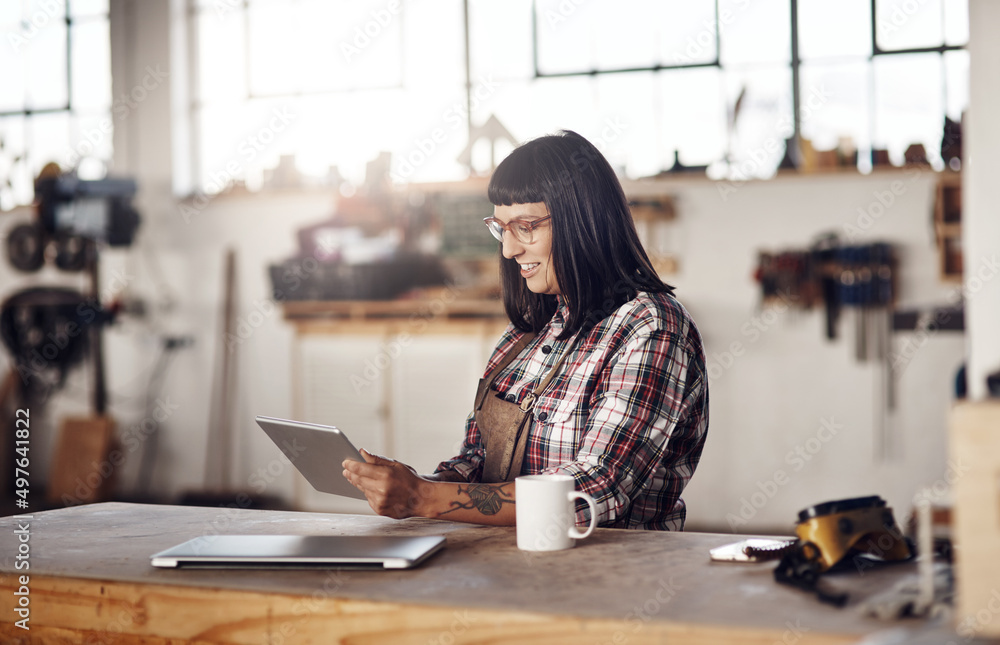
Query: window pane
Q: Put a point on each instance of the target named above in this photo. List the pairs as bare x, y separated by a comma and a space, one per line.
46, 81
221, 51
835, 104
500, 39
692, 109
91, 65
21, 188
437, 60
905, 24
82, 8
956, 22
834, 28
764, 121
757, 32
10, 15
376, 37
579, 37
33, 9
686, 31
532, 109
90, 139
13, 63
48, 136
956, 67
909, 105
625, 123
275, 56
637, 21
565, 38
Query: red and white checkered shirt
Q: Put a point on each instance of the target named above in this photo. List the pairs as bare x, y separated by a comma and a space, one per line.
626, 416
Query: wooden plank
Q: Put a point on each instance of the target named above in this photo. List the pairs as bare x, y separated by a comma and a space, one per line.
80, 471
103, 611
389, 327
974, 473
369, 309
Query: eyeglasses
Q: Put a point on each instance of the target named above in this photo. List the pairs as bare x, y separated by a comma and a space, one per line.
523, 231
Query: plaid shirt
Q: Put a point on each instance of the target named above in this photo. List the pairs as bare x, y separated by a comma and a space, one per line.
626, 416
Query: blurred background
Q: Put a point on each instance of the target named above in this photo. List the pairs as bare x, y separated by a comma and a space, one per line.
214, 209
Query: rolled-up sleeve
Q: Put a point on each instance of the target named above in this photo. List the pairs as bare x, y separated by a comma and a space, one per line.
630, 440
469, 461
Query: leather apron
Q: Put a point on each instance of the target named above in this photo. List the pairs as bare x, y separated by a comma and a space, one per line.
502, 424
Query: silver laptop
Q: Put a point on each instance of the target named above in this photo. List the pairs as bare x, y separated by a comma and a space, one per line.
300, 551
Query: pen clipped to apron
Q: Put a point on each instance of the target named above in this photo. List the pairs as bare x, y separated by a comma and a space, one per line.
503, 424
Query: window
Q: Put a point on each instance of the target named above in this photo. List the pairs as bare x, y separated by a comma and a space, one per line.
56, 104
716, 83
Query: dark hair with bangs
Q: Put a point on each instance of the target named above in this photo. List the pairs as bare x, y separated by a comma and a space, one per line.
598, 260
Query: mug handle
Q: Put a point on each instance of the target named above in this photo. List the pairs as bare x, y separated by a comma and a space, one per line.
574, 532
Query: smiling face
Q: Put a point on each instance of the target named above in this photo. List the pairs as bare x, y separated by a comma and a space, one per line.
535, 258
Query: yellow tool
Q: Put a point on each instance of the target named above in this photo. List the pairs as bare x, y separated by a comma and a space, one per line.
830, 532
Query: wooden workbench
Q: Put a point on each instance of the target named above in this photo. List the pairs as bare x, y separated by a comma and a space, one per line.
91, 582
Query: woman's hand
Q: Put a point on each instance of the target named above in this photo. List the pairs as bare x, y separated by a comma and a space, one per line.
393, 489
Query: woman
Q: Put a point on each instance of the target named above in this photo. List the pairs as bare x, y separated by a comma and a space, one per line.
600, 374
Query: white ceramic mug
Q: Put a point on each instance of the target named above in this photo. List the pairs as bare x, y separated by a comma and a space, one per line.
546, 513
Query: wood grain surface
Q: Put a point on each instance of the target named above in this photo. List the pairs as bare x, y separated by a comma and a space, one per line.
91, 582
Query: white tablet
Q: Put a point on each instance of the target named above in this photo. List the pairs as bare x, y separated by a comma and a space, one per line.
317, 451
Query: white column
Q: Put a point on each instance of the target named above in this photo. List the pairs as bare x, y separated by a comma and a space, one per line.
149, 86
981, 207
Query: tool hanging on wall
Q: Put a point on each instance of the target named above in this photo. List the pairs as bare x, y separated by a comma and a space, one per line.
861, 278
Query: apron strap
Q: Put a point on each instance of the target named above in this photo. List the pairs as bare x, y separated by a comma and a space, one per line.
529, 401
521, 343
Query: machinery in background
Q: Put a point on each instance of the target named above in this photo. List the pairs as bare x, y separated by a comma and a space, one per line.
370, 250
48, 330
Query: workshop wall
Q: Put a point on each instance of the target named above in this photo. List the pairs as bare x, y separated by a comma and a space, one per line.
789, 388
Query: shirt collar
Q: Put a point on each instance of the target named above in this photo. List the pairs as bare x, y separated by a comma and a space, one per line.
561, 315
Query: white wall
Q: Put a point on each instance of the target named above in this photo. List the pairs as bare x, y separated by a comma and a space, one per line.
981, 225
772, 398
789, 378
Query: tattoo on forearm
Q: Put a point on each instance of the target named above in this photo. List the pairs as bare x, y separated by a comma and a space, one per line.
488, 499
